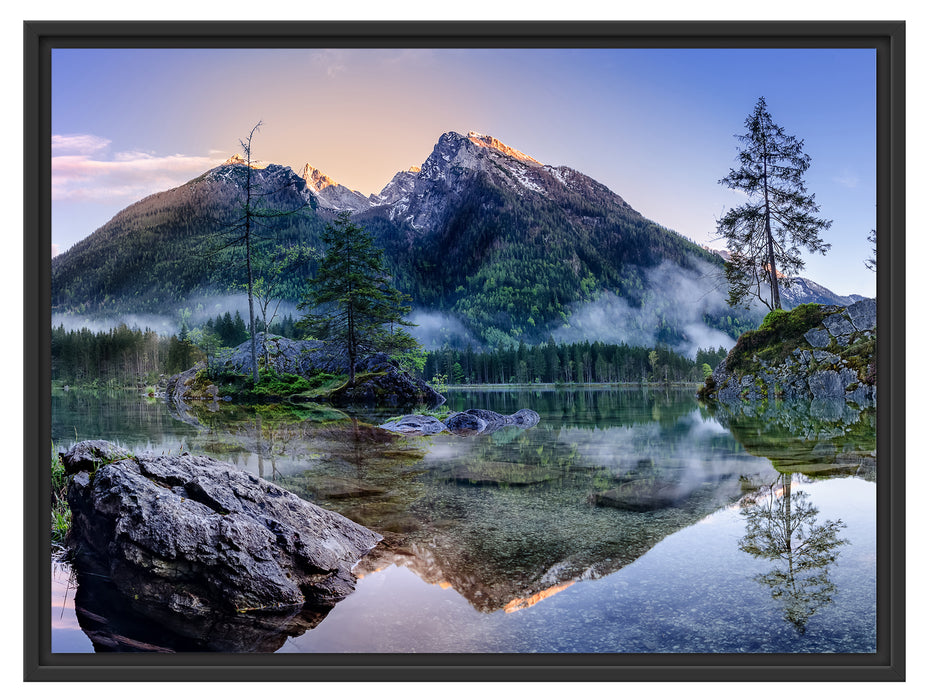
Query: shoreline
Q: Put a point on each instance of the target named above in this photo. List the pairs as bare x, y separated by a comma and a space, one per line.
574, 385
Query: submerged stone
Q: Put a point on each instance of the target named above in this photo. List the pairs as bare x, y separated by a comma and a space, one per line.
465, 424
472, 421
415, 425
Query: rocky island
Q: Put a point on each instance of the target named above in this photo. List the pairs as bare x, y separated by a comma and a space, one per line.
813, 351
380, 380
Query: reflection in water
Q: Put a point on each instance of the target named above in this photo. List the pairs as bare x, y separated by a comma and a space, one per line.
782, 527
822, 437
114, 623
512, 520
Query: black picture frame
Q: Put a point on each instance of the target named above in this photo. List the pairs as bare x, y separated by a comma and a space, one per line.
887, 664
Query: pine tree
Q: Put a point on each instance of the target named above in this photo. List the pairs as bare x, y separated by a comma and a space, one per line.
764, 236
351, 301
871, 262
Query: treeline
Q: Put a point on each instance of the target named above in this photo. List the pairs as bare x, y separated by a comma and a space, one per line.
120, 355
579, 363
125, 356
230, 331
128, 356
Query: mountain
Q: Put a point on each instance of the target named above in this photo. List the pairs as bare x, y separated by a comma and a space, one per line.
804, 291
492, 245
513, 247
156, 254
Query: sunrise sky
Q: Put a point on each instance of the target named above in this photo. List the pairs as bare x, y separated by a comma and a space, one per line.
656, 126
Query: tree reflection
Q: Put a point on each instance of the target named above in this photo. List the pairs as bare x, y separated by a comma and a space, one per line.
782, 526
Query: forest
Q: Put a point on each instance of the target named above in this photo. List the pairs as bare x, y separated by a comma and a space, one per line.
575, 363
125, 357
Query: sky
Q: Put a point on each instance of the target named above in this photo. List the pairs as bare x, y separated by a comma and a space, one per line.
656, 126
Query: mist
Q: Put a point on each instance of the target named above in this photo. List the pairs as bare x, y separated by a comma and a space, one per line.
681, 296
163, 325
199, 310
434, 329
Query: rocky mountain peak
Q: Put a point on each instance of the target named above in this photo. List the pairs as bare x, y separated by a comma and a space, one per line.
330, 194
485, 141
316, 179
237, 159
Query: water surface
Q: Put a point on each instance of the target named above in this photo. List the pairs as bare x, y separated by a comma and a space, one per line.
626, 521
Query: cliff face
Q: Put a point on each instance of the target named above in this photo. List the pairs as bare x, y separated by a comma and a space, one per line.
811, 352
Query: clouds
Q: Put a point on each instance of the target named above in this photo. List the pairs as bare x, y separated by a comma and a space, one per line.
69, 144
847, 179
85, 169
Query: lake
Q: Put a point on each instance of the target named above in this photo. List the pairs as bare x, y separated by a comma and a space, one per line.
628, 520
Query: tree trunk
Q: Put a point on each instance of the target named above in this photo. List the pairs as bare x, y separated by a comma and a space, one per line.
773, 279
255, 364
351, 349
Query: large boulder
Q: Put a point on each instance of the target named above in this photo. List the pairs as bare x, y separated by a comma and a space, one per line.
195, 538
381, 382
465, 423
415, 425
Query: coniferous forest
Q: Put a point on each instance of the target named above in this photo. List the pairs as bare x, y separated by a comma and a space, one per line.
125, 357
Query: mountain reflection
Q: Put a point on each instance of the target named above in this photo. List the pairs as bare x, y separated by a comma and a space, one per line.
510, 518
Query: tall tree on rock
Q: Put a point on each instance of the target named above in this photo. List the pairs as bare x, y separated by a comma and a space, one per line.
253, 226
765, 235
351, 301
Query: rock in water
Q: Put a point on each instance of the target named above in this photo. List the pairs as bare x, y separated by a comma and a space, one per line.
833, 359
465, 424
473, 421
197, 537
415, 425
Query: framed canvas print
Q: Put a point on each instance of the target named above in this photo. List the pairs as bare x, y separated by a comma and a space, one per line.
464, 351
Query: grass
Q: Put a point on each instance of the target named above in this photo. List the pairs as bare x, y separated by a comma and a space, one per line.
440, 413
61, 512
271, 387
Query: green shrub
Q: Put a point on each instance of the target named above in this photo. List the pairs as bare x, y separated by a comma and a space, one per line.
778, 335
282, 384
61, 512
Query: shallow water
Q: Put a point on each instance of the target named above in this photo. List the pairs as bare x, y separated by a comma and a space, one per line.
626, 521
